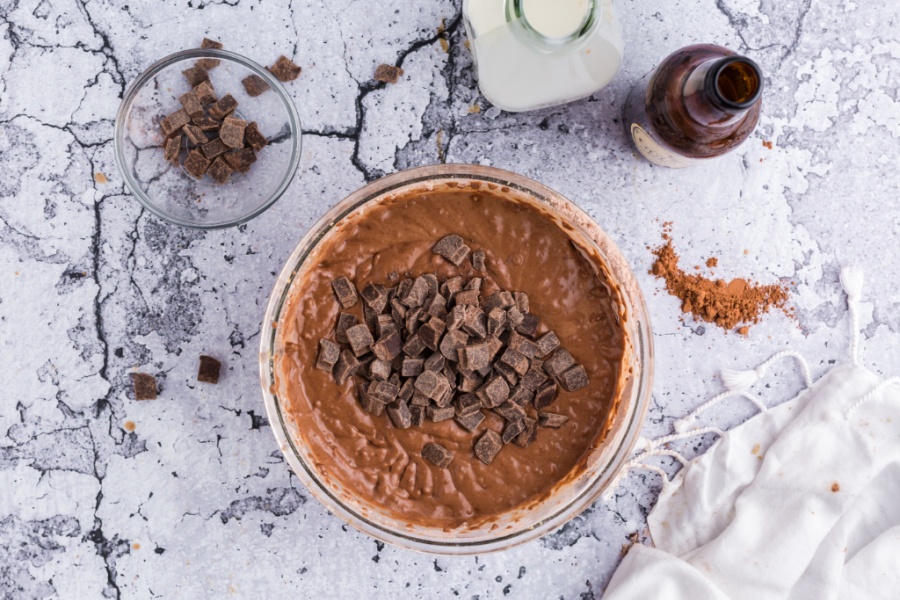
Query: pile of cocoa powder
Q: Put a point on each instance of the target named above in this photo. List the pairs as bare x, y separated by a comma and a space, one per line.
727, 304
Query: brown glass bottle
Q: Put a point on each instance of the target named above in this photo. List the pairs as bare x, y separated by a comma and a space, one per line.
701, 102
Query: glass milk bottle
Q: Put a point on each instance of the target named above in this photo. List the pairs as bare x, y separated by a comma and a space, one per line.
531, 54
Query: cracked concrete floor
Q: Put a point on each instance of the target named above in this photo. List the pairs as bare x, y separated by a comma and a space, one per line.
188, 496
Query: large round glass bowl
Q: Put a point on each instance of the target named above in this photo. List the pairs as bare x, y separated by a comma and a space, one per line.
166, 189
569, 498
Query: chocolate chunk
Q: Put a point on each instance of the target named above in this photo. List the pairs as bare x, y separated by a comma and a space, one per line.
345, 322
512, 430
547, 343
220, 170
284, 69
173, 149
395, 379
419, 399
521, 396
510, 411
451, 343
195, 135
554, 420
254, 138
470, 382
503, 300
446, 398
412, 367
523, 345
474, 284
205, 93
452, 286
400, 414
434, 363
232, 132
195, 75
574, 379
174, 122
329, 353
545, 395
209, 63
214, 148
370, 317
471, 420
467, 403
191, 104
416, 293
432, 385
437, 455
475, 356
223, 107
346, 366
529, 325
360, 338
432, 284
467, 297
475, 322
437, 414
515, 360
412, 320
522, 303
533, 379
496, 321
369, 404
528, 435
478, 260
196, 164
437, 307
407, 391
380, 370
456, 318
495, 345
508, 373
240, 160
414, 346
488, 446
514, 317
388, 347
494, 392
384, 391
558, 362
431, 333
417, 416
452, 248
144, 386
374, 297
388, 73
384, 324
255, 85
345, 292
208, 43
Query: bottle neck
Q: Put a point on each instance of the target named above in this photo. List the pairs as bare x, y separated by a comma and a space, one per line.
720, 91
553, 24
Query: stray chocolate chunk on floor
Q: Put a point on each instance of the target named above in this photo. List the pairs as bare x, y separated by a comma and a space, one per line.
488, 446
329, 353
144, 386
232, 132
546, 419
558, 362
470, 420
240, 160
345, 292
209, 63
437, 455
223, 107
196, 164
209, 369
285, 69
545, 395
478, 260
528, 434
388, 73
174, 122
173, 149
452, 248
205, 93
191, 104
208, 43
255, 85
400, 414
254, 138
361, 339
574, 379
196, 75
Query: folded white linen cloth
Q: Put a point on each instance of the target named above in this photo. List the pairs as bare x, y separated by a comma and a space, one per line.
800, 502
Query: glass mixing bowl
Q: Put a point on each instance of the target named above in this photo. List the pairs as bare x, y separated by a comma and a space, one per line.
574, 494
166, 189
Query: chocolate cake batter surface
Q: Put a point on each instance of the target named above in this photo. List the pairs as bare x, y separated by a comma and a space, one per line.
382, 466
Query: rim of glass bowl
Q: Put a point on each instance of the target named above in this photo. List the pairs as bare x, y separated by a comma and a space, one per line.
198, 53
630, 426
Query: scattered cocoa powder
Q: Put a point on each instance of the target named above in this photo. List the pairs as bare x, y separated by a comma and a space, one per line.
726, 304
712, 262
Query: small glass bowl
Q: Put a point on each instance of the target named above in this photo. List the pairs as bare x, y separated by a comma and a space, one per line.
166, 189
575, 493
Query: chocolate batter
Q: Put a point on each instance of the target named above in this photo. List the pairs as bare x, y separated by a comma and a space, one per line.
381, 465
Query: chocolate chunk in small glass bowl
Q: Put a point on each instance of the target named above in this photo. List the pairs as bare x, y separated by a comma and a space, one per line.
471, 420
191, 104
255, 85
361, 339
232, 132
223, 107
488, 446
205, 93
195, 75
574, 379
174, 122
400, 414
546, 419
528, 435
195, 135
512, 429
452, 248
196, 164
437, 455
214, 148
254, 138
545, 395
241, 159
172, 149
329, 353
558, 362
220, 170
345, 292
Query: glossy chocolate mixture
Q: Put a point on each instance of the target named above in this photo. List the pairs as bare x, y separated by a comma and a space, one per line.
380, 464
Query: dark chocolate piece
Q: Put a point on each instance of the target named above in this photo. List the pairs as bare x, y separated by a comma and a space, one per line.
173, 149
196, 164
209, 63
488, 446
195, 135
510, 411
437, 414
373, 296
174, 122
437, 307
412, 367
467, 403
380, 370
473, 285
346, 366
547, 343
503, 300
434, 363
345, 322
467, 297
345, 292
478, 260
400, 414
388, 347
529, 325
475, 357
558, 362
407, 390
554, 420
361, 339
452, 248
240, 160
414, 346
431, 333
220, 170
205, 92
523, 345
515, 360
196, 75
528, 435
388, 73
214, 148
417, 416
574, 379
223, 107
254, 138
522, 303
208, 43
470, 382
545, 395
521, 395
533, 379
437, 455
419, 399
512, 429
369, 404
508, 373
285, 69
329, 353
416, 293
191, 104
494, 392
451, 343
255, 85
384, 324
496, 321
384, 391
144, 386
471, 420
232, 132
456, 318
432, 385
475, 322
514, 317
206, 123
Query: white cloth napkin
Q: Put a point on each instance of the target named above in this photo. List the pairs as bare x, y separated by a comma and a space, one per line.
800, 502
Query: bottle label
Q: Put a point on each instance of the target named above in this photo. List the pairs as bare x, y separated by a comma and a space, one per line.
655, 153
